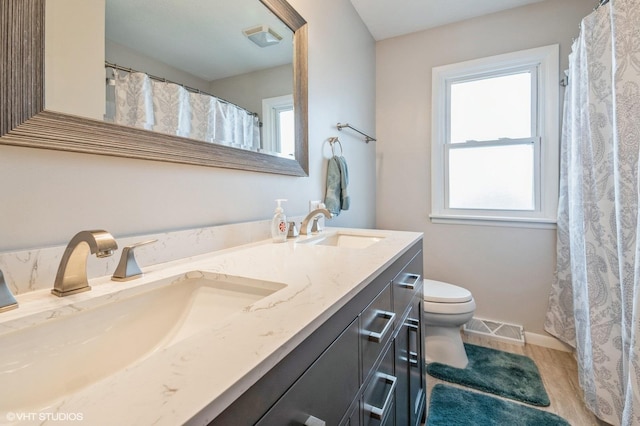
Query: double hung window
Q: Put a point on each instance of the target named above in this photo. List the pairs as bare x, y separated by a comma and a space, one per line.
495, 139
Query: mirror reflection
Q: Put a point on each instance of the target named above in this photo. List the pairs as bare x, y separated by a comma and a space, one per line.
207, 70
56, 96
218, 71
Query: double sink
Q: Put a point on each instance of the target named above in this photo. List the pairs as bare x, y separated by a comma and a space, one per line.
43, 362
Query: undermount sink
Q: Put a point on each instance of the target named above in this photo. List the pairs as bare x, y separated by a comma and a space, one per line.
343, 239
45, 362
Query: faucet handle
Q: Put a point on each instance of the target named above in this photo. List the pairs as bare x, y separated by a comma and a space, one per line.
128, 268
7, 301
315, 228
293, 230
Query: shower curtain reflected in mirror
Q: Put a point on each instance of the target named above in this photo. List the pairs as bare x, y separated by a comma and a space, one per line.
138, 100
595, 301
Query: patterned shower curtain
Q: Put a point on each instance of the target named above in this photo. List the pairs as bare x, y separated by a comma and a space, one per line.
170, 108
133, 100
594, 303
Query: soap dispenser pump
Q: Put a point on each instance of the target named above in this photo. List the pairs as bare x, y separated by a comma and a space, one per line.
279, 224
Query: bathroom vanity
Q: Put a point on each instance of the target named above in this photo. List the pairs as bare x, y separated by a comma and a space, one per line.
324, 329
363, 366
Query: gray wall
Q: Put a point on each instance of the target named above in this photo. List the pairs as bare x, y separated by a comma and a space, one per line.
508, 270
248, 90
47, 196
118, 54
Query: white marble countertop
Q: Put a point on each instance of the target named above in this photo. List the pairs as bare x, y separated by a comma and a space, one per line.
212, 368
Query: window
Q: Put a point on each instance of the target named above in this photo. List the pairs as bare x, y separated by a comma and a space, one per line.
495, 140
278, 134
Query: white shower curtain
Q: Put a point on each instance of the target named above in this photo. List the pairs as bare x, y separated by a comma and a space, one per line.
170, 108
133, 100
595, 300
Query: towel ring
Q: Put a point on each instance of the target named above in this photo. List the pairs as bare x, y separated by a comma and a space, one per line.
332, 141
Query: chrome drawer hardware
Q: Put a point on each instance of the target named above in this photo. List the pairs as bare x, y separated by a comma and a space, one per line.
410, 281
379, 337
379, 412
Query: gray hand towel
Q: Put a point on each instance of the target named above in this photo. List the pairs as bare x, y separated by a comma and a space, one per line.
344, 182
337, 198
332, 198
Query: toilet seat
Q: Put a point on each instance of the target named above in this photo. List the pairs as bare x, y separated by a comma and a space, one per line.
440, 292
449, 308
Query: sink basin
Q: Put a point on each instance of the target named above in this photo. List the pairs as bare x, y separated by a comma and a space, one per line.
343, 239
45, 362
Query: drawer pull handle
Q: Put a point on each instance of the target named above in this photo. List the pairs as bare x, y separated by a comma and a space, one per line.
410, 281
379, 337
314, 421
379, 412
413, 325
413, 359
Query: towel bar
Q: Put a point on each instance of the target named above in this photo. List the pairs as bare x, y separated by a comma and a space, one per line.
368, 138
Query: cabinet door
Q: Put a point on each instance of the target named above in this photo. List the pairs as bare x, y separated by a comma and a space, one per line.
410, 394
325, 391
402, 364
416, 373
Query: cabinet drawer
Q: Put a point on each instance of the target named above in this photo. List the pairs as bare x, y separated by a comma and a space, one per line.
380, 393
325, 391
376, 328
353, 417
406, 284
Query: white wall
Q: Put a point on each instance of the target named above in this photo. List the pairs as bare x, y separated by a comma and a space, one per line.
48, 196
508, 270
66, 53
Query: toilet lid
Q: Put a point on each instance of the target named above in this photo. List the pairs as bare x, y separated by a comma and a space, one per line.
437, 291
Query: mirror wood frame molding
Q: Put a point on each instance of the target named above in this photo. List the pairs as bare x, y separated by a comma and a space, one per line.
25, 122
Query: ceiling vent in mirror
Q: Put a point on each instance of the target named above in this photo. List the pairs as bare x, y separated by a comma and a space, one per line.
262, 35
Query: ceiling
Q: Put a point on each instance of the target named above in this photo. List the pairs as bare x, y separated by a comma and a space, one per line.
201, 37
181, 36
391, 18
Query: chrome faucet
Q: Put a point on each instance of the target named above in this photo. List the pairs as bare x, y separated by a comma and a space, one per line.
7, 301
72, 272
314, 214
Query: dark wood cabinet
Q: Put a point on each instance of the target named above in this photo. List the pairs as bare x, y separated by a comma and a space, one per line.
315, 399
363, 366
408, 345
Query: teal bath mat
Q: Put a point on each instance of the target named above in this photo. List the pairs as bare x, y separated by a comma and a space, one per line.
449, 406
501, 373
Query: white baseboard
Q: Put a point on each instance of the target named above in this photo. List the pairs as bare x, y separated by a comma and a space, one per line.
546, 341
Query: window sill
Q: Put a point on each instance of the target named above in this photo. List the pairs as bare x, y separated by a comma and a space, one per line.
514, 222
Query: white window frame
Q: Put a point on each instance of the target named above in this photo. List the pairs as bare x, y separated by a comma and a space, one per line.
271, 108
545, 63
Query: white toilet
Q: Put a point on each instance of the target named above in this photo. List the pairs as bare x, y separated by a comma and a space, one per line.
446, 308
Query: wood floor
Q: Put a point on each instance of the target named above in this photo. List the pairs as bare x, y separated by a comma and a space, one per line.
559, 375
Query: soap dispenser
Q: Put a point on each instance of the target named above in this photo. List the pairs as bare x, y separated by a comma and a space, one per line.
279, 224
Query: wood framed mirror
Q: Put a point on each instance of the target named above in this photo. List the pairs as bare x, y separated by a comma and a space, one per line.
25, 122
